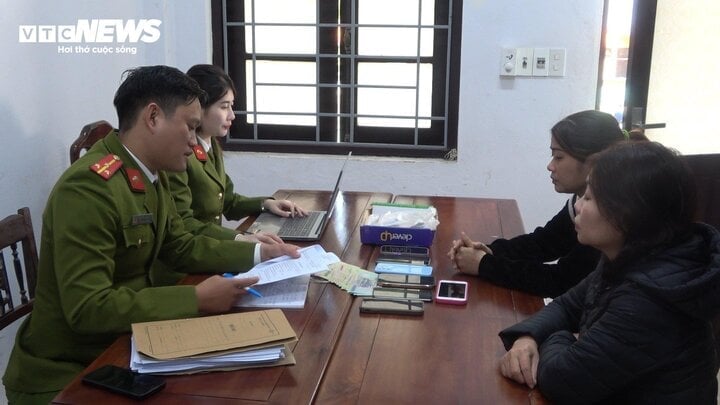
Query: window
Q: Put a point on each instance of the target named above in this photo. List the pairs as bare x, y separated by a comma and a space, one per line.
376, 77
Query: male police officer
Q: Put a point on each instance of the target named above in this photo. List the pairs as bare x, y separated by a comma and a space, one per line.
108, 219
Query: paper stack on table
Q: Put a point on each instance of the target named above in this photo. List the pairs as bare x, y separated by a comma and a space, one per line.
312, 259
288, 293
351, 278
230, 341
284, 281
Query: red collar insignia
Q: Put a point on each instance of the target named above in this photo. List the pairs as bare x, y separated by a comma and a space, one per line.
135, 179
200, 153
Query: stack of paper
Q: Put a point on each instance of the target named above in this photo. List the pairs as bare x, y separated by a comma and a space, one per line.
229, 361
284, 280
312, 259
231, 341
290, 293
351, 278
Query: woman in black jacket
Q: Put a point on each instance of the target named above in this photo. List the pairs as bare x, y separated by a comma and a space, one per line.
637, 329
522, 262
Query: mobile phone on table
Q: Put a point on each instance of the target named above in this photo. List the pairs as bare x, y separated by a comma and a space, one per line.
452, 292
123, 381
392, 307
404, 254
402, 294
403, 268
406, 281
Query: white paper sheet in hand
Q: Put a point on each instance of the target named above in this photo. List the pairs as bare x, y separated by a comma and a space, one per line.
290, 293
312, 259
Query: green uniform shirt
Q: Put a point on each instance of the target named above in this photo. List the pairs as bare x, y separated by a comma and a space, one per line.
99, 240
204, 193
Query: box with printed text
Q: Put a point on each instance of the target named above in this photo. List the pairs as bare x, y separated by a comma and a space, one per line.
397, 224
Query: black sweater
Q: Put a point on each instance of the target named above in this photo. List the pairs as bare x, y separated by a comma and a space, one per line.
520, 262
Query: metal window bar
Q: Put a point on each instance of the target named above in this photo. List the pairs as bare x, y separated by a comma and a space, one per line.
418, 59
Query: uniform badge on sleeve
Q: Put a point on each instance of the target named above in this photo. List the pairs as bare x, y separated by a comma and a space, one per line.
135, 179
200, 153
107, 166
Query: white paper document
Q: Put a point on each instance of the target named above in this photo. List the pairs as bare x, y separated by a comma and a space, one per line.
145, 364
312, 260
288, 293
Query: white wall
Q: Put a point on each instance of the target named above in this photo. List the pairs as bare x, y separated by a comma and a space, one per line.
46, 98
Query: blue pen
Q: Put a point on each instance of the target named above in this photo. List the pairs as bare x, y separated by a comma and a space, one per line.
248, 289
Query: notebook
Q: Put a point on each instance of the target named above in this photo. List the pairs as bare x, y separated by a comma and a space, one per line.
307, 228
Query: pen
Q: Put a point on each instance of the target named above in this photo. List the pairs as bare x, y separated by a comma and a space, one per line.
253, 292
248, 289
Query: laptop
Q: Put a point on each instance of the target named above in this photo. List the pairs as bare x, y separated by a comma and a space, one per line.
307, 228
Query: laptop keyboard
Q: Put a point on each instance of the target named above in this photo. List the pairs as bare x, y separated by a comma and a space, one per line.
299, 226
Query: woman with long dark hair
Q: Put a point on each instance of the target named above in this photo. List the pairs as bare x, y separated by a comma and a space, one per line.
522, 262
637, 330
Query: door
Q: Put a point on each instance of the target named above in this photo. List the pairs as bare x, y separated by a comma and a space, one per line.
672, 89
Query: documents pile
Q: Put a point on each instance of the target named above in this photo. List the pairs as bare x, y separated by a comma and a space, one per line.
221, 342
351, 278
284, 280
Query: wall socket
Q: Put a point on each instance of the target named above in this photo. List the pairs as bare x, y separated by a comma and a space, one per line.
540, 61
556, 62
524, 62
532, 62
507, 62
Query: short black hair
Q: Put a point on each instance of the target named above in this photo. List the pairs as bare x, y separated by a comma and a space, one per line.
646, 191
213, 80
164, 85
586, 132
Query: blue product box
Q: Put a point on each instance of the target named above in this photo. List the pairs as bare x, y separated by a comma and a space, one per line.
383, 235
389, 235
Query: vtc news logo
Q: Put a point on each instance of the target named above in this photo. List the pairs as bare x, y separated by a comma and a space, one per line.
93, 31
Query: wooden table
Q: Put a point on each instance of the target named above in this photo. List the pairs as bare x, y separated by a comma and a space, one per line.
317, 327
450, 354
447, 356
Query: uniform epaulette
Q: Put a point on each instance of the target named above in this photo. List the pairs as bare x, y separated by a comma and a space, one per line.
200, 153
135, 179
107, 166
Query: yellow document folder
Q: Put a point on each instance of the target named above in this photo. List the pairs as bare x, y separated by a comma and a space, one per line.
179, 338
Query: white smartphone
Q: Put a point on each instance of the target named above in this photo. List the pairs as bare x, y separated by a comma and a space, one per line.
452, 292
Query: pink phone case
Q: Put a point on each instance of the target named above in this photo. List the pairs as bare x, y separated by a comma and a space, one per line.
451, 292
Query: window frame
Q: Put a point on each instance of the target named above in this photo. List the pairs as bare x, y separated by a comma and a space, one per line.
366, 140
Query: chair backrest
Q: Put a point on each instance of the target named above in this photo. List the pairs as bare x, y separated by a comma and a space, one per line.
90, 134
17, 230
706, 170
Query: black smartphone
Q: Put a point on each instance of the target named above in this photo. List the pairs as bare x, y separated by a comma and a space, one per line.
406, 281
123, 381
402, 294
404, 254
392, 307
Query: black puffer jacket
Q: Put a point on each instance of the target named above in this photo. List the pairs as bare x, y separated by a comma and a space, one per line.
644, 335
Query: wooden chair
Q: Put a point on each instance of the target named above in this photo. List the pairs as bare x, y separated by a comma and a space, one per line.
706, 170
90, 134
17, 229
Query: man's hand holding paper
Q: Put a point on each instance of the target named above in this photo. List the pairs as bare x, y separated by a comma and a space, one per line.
311, 260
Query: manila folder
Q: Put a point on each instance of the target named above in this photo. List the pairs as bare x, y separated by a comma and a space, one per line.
240, 331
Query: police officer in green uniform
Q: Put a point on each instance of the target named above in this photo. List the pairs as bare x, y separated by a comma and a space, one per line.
108, 219
204, 192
